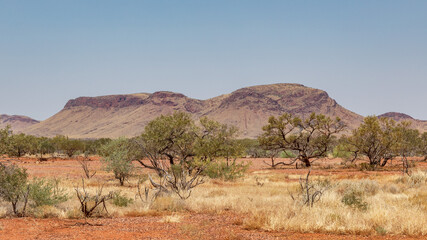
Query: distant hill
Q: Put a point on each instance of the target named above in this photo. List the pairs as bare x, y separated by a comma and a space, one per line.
17, 123
247, 108
398, 117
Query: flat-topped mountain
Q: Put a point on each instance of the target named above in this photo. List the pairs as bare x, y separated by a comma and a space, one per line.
16, 122
247, 108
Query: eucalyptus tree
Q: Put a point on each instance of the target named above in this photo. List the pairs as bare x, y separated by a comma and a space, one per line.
308, 139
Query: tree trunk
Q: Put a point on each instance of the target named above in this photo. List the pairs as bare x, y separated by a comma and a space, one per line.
306, 162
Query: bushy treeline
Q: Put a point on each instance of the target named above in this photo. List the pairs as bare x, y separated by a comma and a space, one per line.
18, 145
286, 136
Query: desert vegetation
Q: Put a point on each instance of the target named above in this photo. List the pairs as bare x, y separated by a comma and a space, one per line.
300, 175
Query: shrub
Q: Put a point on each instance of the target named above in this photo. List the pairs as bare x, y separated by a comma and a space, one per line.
226, 172
90, 204
309, 191
354, 199
117, 158
341, 151
367, 167
120, 200
14, 188
44, 192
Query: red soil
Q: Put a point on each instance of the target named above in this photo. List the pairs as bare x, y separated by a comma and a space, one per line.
191, 226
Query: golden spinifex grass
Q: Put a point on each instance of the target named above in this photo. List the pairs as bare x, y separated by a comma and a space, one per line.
377, 204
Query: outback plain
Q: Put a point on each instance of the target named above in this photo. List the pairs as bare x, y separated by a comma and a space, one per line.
259, 205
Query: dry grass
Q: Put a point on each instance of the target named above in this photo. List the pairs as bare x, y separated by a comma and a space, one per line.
395, 204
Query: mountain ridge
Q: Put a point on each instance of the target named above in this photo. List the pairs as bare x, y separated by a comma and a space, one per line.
247, 108
17, 122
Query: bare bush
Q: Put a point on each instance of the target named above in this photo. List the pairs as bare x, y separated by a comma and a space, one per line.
85, 167
90, 202
310, 192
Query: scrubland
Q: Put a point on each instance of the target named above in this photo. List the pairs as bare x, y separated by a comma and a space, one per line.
351, 202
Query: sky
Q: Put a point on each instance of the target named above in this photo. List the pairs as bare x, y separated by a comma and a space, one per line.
370, 56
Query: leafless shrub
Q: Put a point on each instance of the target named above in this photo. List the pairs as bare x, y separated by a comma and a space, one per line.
178, 180
90, 202
258, 182
85, 166
310, 192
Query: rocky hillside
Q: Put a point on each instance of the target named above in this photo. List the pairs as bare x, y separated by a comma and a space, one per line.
398, 117
247, 108
16, 122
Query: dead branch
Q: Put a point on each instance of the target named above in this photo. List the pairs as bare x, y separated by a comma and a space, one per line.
85, 166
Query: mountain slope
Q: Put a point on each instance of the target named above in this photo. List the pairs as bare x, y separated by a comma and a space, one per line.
421, 125
16, 122
247, 108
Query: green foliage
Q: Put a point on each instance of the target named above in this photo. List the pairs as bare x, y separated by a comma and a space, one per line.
67, 145
380, 230
20, 144
367, 167
93, 147
407, 140
179, 150
46, 192
287, 154
13, 186
5, 134
342, 151
226, 172
117, 158
121, 200
375, 138
310, 138
44, 145
422, 145
355, 200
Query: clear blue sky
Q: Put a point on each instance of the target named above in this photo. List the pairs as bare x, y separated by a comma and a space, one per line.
371, 56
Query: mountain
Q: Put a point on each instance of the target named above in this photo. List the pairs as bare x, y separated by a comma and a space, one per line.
421, 125
247, 108
16, 122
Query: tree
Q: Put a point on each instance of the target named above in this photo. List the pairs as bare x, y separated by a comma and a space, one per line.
117, 157
375, 138
67, 145
422, 146
44, 146
178, 150
308, 139
406, 144
5, 134
14, 188
20, 144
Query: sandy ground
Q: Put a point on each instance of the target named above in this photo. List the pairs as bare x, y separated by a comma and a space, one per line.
191, 225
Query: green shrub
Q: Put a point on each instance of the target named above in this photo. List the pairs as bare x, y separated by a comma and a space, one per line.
226, 172
341, 151
287, 154
120, 200
13, 187
380, 230
354, 199
367, 167
46, 192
